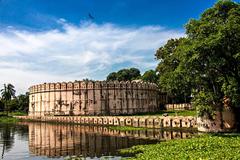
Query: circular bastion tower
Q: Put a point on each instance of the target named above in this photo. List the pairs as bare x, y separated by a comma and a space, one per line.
92, 98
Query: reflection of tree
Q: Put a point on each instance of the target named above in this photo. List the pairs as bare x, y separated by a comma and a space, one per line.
21, 131
7, 137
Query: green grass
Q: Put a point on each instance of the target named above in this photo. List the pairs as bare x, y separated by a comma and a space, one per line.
17, 113
126, 128
4, 118
204, 147
8, 119
171, 113
182, 113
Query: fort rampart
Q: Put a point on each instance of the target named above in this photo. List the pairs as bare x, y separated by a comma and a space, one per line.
93, 98
132, 121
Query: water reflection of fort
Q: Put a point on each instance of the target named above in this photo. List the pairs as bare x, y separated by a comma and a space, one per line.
54, 140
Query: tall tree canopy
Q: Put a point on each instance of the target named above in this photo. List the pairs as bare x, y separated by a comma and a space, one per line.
150, 76
19, 103
173, 79
10, 102
206, 63
124, 75
7, 93
23, 101
1, 106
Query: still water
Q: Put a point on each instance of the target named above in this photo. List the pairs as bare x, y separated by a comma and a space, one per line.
31, 140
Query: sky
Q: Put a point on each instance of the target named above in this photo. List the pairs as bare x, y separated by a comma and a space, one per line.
66, 40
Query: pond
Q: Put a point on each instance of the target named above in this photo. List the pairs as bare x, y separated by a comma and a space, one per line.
32, 140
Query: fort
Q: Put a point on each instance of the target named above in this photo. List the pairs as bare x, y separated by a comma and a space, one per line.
94, 98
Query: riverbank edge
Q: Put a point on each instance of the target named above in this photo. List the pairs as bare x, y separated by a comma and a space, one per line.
9, 119
187, 122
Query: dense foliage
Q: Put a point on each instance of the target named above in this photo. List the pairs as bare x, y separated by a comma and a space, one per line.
8, 119
7, 93
133, 74
1, 106
10, 102
206, 63
124, 75
150, 76
205, 147
170, 113
19, 103
173, 79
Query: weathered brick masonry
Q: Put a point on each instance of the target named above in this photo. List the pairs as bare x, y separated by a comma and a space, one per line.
93, 98
133, 121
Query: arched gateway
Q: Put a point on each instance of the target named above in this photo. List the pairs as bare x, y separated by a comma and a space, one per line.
92, 98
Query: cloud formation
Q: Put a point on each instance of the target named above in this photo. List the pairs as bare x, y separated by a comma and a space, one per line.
75, 52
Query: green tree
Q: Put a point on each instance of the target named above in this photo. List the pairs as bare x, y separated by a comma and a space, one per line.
124, 75
134, 73
212, 53
150, 76
112, 76
1, 106
173, 79
7, 93
13, 104
207, 61
23, 101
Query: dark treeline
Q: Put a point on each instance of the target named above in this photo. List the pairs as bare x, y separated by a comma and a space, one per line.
9, 102
133, 74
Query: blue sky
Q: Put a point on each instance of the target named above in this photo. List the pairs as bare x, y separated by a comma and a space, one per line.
55, 40
42, 14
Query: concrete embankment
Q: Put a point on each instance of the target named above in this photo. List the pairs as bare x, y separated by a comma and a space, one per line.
133, 121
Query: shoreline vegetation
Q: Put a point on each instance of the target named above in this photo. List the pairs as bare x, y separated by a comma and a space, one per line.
17, 113
170, 113
209, 146
8, 117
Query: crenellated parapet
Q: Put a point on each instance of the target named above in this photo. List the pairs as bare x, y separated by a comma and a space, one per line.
93, 98
78, 85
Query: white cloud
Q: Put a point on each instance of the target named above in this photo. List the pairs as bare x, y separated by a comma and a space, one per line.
75, 52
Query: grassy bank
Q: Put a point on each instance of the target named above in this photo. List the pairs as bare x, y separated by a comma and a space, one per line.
171, 113
18, 114
8, 119
204, 147
13, 113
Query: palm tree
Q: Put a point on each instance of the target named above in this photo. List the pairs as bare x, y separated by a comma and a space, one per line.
7, 93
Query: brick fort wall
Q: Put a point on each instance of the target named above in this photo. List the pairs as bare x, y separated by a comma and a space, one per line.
93, 98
